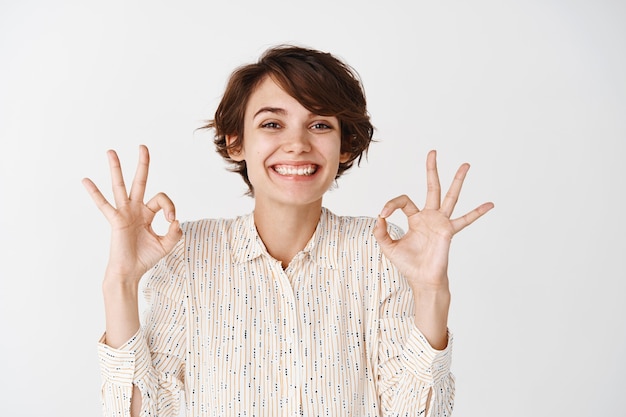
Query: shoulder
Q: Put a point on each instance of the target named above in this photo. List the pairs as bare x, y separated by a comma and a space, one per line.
357, 227
215, 235
194, 229
214, 228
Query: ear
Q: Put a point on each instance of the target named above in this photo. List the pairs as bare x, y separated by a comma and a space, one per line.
344, 157
236, 154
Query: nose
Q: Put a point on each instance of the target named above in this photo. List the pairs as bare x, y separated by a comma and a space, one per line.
297, 141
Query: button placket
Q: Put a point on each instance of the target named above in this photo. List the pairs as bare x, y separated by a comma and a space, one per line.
289, 357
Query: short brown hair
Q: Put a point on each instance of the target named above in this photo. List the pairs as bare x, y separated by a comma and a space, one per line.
322, 83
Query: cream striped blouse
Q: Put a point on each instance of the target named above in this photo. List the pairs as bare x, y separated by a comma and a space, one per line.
228, 328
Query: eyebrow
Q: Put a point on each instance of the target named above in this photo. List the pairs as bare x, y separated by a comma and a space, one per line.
276, 110
279, 111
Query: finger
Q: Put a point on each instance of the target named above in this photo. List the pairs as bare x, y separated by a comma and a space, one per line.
103, 205
172, 236
452, 196
469, 218
120, 195
402, 202
433, 191
381, 234
162, 202
138, 188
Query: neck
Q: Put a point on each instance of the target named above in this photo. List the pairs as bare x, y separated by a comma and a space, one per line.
285, 230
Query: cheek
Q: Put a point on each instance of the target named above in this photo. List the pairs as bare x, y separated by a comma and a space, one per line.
256, 162
335, 150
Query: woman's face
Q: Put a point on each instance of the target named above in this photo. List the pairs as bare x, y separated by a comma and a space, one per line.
292, 155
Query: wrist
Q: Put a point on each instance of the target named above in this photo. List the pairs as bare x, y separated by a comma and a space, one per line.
438, 287
439, 297
432, 306
121, 309
119, 287
117, 278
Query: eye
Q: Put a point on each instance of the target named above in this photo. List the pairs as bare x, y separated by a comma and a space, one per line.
321, 126
270, 125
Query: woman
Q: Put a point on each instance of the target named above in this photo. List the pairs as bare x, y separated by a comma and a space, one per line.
290, 310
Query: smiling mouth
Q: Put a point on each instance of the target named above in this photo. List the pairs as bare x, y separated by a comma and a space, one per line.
292, 171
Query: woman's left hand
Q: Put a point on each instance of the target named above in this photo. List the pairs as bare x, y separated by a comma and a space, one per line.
421, 255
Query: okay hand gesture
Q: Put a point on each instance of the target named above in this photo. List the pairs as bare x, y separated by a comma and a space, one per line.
421, 255
135, 247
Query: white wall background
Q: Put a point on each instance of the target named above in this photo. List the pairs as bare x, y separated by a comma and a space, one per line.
532, 93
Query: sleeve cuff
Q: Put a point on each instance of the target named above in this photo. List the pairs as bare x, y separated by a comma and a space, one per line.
122, 366
428, 364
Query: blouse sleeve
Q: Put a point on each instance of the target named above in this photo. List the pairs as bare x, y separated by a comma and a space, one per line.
409, 370
154, 358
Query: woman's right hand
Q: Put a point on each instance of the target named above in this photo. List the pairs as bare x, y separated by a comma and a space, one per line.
135, 247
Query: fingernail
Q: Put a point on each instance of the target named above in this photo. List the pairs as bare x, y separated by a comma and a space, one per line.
171, 216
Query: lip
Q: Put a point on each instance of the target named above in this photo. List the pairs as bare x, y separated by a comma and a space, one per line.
299, 169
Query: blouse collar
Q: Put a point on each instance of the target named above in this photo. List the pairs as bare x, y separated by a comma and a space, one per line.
322, 248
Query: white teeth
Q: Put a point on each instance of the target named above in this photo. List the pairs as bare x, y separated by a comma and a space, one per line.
289, 170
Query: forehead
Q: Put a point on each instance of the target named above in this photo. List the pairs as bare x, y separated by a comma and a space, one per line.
269, 94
